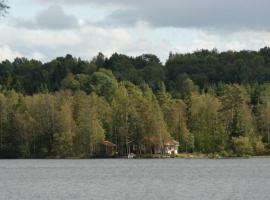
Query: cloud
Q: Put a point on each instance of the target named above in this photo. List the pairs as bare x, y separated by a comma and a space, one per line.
88, 40
46, 44
218, 14
45, 37
6, 53
225, 14
53, 18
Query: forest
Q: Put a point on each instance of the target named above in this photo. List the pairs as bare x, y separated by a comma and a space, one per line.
209, 101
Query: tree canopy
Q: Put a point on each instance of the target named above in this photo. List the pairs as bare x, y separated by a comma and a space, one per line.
208, 101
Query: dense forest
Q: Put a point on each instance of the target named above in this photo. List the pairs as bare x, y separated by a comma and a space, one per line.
209, 101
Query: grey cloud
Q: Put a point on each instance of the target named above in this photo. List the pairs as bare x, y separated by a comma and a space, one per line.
220, 14
53, 18
225, 14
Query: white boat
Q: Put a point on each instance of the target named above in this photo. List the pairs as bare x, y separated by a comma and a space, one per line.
131, 155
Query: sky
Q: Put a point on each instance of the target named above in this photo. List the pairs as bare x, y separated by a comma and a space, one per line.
46, 29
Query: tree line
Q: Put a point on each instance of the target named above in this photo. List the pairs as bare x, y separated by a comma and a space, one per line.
203, 67
67, 107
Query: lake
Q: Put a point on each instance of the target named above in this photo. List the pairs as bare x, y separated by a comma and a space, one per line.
123, 179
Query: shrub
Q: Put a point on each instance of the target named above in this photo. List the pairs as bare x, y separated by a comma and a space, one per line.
258, 146
242, 146
224, 154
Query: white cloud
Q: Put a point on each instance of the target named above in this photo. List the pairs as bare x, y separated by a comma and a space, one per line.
83, 42
6, 53
220, 14
37, 56
86, 39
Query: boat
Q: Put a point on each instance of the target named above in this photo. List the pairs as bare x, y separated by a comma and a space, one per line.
131, 155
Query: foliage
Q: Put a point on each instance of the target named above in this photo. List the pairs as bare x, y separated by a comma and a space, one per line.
207, 101
242, 146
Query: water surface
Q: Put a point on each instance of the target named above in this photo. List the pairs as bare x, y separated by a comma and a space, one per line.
120, 179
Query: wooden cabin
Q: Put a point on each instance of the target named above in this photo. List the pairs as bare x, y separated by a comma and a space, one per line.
154, 145
107, 149
167, 146
171, 147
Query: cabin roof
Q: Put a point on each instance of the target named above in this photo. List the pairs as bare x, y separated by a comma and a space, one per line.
108, 143
172, 142
156, 140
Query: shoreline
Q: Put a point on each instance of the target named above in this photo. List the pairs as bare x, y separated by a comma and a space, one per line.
178, 156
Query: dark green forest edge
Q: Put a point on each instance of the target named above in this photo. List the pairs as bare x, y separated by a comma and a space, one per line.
212, 103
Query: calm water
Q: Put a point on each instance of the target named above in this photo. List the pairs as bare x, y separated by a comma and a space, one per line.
243, 179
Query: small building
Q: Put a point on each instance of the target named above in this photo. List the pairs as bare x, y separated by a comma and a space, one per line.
107, 149
168, 146
171, 147
154, 145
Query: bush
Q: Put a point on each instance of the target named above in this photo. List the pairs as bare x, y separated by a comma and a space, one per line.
242, 146
258, 146
224, 154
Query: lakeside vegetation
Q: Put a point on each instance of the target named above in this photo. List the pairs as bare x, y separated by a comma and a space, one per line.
210, 102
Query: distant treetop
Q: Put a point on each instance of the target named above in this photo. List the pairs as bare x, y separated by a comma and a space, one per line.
3, 7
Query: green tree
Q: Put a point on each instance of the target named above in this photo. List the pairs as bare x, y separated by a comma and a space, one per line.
11, 139
99, 60
43, 111
206, 125
236, 112
3, 119
103, 83
242, 146
263, 114
65, 127
69, 82
90, 132
120, 107
175, 115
